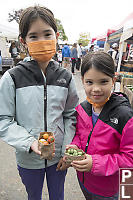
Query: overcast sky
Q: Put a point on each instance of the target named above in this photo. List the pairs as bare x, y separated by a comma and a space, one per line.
77, 16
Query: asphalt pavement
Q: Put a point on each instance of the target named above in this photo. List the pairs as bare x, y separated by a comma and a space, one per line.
11, 187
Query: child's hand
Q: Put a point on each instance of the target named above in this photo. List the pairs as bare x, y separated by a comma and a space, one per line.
83, 165
71, 146
34, 147
62, 165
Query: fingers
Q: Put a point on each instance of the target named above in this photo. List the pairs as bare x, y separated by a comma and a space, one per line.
71, 146
59, 164
35, 148
62, 165
83, 165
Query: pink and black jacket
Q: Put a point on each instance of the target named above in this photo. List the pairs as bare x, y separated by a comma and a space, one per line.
110, 142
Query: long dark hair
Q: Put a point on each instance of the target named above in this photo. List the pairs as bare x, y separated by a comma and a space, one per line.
100, 60
30, 14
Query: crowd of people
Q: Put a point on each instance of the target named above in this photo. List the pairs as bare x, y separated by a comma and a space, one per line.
71, 56
38, 95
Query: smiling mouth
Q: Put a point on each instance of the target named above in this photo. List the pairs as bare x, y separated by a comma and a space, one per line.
97, 96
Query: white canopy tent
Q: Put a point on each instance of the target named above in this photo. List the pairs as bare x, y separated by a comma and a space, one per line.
8, 32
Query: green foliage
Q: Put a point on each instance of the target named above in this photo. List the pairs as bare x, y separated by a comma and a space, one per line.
84, 38
60, 28
16, 14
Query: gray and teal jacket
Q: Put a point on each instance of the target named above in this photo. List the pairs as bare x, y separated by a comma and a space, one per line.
30, 103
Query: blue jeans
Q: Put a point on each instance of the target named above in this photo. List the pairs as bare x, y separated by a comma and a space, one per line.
33, 180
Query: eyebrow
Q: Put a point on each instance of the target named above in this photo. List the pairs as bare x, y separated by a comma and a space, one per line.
45, 31
102, 79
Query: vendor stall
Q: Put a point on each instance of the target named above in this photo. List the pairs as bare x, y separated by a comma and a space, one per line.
126, 86
128, 90
126, 39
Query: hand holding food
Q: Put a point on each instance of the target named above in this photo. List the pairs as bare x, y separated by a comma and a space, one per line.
71, 146
83, 165
74, 154
46, 143
47, 139
34, 147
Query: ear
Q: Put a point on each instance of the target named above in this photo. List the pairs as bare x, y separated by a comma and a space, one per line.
23, 42
57, 35
114, 80
82, 78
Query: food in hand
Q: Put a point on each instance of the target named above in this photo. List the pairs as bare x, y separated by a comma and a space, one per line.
42, 140
45, 136
51, 139
46, 139
45, 142
74, 152
46, 145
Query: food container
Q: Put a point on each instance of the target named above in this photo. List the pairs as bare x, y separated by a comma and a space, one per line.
74, 154
46, 143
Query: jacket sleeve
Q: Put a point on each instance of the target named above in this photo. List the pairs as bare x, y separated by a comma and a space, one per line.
107, 165
69, 115
10, 132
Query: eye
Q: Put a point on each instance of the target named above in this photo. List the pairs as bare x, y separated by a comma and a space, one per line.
33, 37
48, 34
104, 82
89, 82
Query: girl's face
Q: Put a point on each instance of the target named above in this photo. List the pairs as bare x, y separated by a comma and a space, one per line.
40, 30
97, 85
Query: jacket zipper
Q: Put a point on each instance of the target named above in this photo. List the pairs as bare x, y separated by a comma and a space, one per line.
45, 113
45, 107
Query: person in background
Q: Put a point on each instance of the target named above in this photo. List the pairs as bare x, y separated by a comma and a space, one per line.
115, 54
131, 53
66, 53
103, 131
38, 96
79, 50
14, 50
74, 57
91, 48
59, 58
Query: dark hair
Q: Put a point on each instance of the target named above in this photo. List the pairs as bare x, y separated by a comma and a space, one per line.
30, 14
100, 60
75, 45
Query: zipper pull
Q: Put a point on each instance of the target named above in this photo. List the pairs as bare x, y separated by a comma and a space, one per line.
45, 94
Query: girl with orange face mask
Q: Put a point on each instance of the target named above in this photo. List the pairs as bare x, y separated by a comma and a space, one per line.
104, 130
37, 96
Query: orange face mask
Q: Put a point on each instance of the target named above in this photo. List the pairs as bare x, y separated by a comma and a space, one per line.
43, 50
97, 105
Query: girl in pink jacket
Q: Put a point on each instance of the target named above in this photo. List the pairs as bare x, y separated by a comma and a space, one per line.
104, 130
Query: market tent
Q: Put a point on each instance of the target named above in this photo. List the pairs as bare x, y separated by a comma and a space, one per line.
9, 32
127, 36
115, 36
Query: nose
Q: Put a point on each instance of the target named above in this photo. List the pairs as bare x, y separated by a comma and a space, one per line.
96, 88
41, 38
